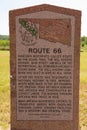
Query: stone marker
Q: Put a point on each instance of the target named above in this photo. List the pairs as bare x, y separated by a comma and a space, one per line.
45, 47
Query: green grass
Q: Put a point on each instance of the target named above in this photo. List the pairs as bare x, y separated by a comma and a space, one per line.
4, 89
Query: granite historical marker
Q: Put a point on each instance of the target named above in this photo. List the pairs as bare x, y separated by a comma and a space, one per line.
45, 42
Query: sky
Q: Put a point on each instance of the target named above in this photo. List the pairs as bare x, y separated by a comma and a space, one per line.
6, 5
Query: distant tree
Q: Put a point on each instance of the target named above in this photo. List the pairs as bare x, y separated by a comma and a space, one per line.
82, 44
83, 38
4, 37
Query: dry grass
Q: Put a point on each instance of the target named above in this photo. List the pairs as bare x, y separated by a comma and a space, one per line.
4, 89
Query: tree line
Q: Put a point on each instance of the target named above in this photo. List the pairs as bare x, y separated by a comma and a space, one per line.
4, 37
5, 42
83, 41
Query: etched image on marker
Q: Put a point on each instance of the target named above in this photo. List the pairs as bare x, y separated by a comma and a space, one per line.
28, 32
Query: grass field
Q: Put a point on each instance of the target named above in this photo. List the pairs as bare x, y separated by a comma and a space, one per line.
83, 67
83, 89
5, 89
